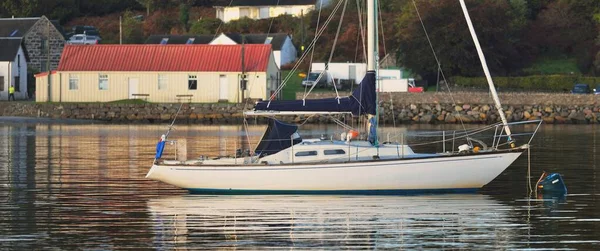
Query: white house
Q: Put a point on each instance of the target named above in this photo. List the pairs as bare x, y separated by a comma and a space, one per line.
160, 73
265, 8
284, 50
13, 68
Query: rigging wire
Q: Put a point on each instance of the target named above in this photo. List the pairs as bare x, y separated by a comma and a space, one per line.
310, 47
438, 64
337, 34
220, 24
316, 29
382, 31
272, 19
361, 15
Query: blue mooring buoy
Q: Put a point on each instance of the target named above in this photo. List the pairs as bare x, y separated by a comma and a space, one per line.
551, 184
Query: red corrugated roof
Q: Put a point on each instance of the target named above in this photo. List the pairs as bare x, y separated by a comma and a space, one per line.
43, 74
195, 58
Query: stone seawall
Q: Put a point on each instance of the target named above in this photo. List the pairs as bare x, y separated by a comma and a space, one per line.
405, 108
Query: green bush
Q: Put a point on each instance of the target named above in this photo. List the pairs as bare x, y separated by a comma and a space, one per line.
554, 83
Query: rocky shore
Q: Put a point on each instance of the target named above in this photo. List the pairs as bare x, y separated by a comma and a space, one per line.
401, 107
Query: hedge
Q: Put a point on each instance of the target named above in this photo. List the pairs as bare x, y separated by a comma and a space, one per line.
554, 83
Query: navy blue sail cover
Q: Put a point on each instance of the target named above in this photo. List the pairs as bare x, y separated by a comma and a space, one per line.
362, 101
277, 137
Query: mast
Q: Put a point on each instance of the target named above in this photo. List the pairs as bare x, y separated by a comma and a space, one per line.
371, 35
487, 73
372, 64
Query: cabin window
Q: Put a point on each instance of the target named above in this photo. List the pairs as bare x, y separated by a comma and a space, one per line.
102, 82
73, 82
190, 40
334, 152
164, 40
192, 82
162, 81
306, 153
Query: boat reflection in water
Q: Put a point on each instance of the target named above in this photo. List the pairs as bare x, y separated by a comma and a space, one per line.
251, 222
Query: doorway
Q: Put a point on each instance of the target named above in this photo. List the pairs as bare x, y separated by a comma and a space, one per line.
223, 89
133, 87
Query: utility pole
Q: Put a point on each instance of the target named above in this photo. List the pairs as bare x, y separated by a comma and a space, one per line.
243, 78
47, 45
120, 29
302, 30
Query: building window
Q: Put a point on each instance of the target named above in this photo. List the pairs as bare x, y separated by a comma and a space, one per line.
306, 153
17, 84
289, 10
334, 152
192, 82
190, 40
44, 46
43, 65
1, 83
220, 14
268, 40
264, 12
73, 82
162, 81
244, 12
19, 60
102, 82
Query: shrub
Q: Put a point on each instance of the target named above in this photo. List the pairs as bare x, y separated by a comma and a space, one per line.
553, 83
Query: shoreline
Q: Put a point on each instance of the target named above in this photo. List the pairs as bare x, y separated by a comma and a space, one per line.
428, 113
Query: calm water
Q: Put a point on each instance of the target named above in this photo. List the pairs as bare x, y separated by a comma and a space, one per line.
82, 186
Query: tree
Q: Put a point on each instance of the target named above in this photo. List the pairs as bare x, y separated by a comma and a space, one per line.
184, 15
20, 8
567, 27
498, 25
132, 29
147, 4
205, 26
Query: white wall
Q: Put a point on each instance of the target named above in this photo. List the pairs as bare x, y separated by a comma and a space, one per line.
393, 85
10, 70
277, 55
288, 53
233, 13
390, 74
223, 39
342, 70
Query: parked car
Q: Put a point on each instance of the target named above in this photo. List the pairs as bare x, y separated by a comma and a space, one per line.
312, 77
597, 90
83, 39
581, 89
413, 88
88, 30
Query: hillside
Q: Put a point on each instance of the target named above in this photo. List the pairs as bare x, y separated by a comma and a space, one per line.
518, 37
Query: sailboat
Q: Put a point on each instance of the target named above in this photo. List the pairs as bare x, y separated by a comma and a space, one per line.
285, 163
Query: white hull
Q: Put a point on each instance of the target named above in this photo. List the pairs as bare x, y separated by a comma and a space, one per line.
463, 172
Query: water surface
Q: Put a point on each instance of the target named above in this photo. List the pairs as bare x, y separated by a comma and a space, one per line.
82, 186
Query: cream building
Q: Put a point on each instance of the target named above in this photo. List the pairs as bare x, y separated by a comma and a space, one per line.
265, 9
160, 73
